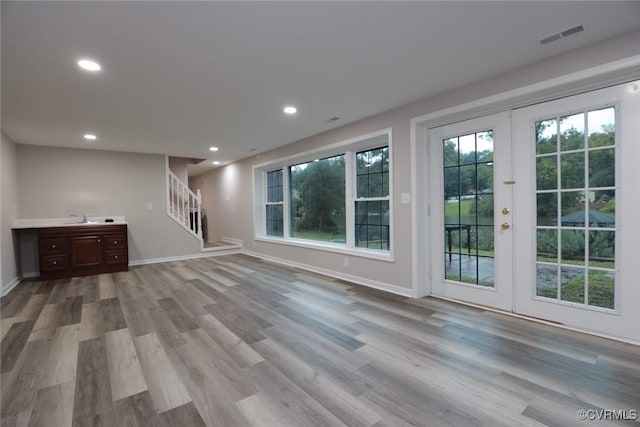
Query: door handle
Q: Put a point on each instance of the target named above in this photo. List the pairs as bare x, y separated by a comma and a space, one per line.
505, 226
505, 211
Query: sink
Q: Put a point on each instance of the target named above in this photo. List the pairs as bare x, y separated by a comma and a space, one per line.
82, 223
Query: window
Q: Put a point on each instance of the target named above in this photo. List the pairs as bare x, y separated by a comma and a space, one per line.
317, 200
335, 198
372, 199
274, 208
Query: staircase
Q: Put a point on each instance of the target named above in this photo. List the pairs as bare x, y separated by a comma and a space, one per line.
183, 205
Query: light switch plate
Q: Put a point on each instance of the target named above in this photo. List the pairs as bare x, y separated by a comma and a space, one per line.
405, 198
149, 206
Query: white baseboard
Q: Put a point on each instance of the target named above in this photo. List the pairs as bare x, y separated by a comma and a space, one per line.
9, 286
232, 240
398, 290
184, 257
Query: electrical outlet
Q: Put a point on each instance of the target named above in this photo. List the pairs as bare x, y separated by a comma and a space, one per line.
346, 262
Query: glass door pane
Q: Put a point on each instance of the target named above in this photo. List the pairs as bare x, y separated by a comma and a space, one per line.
575, 206
469, 208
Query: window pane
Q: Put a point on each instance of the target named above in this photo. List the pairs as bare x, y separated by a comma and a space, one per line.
572, 132
546, 136
467, 147
547, 173
572, 284
451, 152
602, 209
451, 182
274, 220
547, 208
572, 205
602, 124
572, 247
485, 146
372, 173
372, 224
602, 169
547, 280
318, 200
468, 180
547, 245
484, 209
274, 186
452, 210
572, 173
602, 249
485, 178
602, 288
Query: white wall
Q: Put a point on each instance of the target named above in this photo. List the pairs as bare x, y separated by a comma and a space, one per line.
217, 189
229, 189
178, 165
8, 210
58, 182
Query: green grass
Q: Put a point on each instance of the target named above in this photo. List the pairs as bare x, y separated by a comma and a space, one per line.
451, 208
599, 264
463, 251
319, 235
601, 290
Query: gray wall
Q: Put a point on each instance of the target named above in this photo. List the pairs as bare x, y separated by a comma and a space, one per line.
8, 210
228, 190
58, 182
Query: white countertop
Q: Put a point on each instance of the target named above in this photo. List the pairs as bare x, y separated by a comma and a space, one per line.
66, 222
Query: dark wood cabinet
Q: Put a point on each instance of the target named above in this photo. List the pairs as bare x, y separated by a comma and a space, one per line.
82, 250
86, 251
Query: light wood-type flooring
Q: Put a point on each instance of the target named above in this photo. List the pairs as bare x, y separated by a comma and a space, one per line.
237, 341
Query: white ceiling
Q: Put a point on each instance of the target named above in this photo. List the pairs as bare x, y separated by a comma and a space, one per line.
179, 77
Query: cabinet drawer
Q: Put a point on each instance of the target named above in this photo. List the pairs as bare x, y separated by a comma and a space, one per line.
116, 257
54, 244
55, 262
115, 242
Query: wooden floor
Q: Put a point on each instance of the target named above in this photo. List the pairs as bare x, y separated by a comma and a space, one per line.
236, 341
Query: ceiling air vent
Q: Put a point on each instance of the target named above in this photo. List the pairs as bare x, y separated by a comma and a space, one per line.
562, 34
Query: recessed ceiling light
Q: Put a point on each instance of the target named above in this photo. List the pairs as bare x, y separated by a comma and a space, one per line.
213, 148
216, 162
290, 109
89, 65
90, 136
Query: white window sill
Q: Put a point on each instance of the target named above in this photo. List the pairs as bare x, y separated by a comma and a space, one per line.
328, 247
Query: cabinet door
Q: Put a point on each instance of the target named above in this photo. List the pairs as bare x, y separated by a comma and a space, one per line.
86, 251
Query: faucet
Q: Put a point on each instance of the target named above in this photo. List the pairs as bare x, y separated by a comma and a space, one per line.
84, 219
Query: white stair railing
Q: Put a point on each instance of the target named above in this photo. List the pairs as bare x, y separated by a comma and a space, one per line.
183, 205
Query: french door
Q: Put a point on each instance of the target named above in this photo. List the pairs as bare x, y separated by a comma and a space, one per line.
537, 211
578, 199
470, 164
